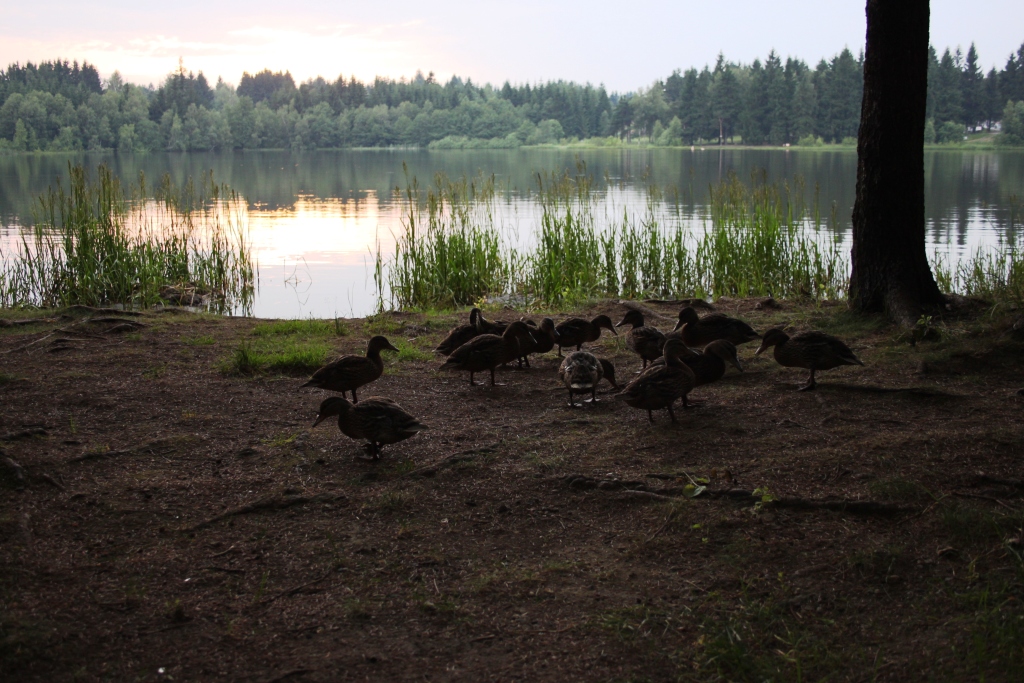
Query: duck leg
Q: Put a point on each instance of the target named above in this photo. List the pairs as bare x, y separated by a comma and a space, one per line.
670, 413
471, 382
572, 403
811, 384
650, 416
354, 399
593, 394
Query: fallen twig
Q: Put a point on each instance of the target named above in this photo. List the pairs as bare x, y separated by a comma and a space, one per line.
23, 434
17, 471
52, 482
296, 589
288, 674
431, 470
96, 455
991, 499
268, 503
79, 308
26, 321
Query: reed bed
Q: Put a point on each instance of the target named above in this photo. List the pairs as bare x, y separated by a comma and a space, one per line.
95, 244
755, 241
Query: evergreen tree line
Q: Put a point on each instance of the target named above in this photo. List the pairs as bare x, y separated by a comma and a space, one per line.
64, 106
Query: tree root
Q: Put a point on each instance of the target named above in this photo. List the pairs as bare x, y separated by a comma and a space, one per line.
23, 434
637, 489
279, 502
17, 471
432, 470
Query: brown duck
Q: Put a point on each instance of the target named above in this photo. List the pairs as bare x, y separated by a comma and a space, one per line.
659, 386
710, 365
348, 373
581, 371
488, 351
577, 332
810, 350
698, 332
646, 342
379, 420
460, 335
541, 340
485, 326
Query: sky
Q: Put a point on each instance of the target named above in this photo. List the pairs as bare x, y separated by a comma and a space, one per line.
624, 45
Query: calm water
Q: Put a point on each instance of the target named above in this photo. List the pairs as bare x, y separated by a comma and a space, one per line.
314, 218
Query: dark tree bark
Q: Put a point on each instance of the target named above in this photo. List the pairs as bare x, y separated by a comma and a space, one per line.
890, 268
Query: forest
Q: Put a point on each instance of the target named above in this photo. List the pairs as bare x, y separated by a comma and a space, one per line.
66, 106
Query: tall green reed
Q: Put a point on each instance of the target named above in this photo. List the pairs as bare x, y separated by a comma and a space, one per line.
94, 244
756, 241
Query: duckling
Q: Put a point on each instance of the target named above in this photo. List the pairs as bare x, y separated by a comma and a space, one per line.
659, 386
378, 420
810, 350
459, 335
577, 331
709, 366
647, 342
698, 332
542, 339
488, 351
348, 373
581, 371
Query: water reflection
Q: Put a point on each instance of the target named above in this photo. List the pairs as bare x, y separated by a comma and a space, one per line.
314, 218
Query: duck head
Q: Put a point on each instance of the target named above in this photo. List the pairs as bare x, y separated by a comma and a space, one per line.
687, 315
335, 405
605, 322
378, 344
608, 372
725, 350
772, 337
632, 317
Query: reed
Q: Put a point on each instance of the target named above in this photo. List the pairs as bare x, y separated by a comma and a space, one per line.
755, 241
95, 244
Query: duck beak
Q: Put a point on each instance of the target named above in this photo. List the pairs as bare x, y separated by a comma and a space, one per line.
390, 347
736, 364
319, 418
760, 349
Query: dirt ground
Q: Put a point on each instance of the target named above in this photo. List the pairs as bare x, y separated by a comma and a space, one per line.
163, 518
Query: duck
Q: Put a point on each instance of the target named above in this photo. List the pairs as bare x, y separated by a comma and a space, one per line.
577, 331
709, 365
659, 386
647, 342
348, 373
377, 419
485, 326
542, 339
698, 332
488, 351
581, 371
811, 350
458, 336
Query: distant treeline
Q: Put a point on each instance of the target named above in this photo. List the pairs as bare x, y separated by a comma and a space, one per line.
64, 106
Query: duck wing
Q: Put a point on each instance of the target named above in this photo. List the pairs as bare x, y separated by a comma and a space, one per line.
479, 353
346, 373
456, 338
572, 331
383, 421
646, 342
822, 351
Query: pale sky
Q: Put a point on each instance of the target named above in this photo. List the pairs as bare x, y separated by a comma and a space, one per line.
624, 45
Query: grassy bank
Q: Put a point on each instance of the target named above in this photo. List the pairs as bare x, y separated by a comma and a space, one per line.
94, 243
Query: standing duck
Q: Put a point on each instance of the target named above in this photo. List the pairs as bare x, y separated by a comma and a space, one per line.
659, 386
488, 351
647, 342
581, 371
698, 332
485, 326
577, 331
460, 335
810, 350
348, 373
709, 366
378, 420
541, 340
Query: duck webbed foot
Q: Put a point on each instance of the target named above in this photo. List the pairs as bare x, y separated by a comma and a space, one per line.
811, 384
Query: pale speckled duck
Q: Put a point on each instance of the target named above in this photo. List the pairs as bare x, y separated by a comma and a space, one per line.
488, 351
541, 340
659, 386
811, 350
577, 332
348, 373
581, 371
698, 332
709, 365
379, 420
647, 342
458, 336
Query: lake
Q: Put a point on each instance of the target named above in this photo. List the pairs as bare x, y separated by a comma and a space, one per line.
314, 218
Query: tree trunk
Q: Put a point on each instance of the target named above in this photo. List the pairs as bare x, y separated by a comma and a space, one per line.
890, 268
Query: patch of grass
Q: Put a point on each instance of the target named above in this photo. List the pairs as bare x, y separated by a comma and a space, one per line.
282, 440
200, 340
308, 328
286, 356
390, 502
7, 379
969, 525
156, 372
408, 351
382, 323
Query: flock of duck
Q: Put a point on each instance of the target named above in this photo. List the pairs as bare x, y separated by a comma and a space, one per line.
693, 354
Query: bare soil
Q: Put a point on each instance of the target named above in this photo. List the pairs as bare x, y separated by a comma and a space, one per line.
162, 518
